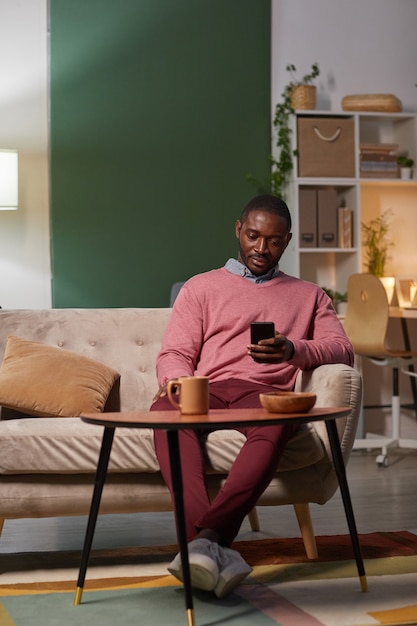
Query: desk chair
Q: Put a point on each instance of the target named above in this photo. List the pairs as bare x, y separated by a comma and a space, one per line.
366, 324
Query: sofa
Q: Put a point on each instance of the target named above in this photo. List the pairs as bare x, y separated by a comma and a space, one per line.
47, 463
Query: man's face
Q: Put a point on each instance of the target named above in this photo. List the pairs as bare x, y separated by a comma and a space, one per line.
263, 238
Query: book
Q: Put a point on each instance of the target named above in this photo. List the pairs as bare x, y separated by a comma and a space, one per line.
379, 174
384, 157
378, 166
345, 227
378, 147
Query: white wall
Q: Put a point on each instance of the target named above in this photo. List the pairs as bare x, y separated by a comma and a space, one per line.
362, 46
25, 280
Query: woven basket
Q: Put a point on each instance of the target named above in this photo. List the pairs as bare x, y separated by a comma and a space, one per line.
384, 102
303, 97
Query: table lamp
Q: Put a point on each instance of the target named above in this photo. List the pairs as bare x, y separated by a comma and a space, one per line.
8, 180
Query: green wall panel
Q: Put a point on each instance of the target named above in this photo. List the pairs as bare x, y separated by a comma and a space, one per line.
158, 110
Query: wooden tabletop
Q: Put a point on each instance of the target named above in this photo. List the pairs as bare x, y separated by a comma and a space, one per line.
216, 418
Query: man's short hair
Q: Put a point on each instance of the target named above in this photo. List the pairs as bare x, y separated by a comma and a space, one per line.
269, 203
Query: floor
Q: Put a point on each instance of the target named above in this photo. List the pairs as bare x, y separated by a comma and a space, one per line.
383, 499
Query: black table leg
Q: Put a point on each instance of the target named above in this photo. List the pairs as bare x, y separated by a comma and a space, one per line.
347, 503
175, 461
101, 473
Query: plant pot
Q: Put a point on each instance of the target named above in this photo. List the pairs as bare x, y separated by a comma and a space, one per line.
341, 309
406, 173
303, 97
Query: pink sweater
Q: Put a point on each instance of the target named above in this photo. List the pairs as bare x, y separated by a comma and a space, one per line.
209, 329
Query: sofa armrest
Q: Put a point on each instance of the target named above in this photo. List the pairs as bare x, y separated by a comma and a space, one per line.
335, 385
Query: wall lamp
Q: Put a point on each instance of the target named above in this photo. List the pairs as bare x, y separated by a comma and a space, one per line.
8, 180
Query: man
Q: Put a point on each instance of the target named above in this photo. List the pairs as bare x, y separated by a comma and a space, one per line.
208, 334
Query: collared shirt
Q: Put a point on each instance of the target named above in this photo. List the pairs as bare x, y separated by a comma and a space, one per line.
235, 267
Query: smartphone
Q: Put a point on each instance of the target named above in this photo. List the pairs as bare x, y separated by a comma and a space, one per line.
261, 330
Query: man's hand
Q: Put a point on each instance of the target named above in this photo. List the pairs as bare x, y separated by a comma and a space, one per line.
162, 391
275, 350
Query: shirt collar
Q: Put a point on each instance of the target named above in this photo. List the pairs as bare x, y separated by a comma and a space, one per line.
239, 269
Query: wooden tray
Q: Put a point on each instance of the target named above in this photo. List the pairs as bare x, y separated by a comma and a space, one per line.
382, 102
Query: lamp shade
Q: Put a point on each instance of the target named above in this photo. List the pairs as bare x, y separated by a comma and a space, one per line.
8, 180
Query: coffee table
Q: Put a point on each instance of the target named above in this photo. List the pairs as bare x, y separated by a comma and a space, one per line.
172, 422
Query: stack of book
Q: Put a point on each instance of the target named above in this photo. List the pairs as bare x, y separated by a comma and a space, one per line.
378, 160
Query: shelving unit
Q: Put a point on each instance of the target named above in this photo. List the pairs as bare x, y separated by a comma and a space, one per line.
367, 197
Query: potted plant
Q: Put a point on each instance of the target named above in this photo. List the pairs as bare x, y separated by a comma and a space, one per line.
375, 240
405, 164
377, 244
302, 91
283, 165
338, 299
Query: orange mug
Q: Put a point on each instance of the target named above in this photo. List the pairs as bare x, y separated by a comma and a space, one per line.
193, 394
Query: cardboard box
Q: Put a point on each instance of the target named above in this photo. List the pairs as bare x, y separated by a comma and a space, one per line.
326, 147
327, 205
307, 205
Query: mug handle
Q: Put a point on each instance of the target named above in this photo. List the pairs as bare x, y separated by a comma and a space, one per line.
172, 385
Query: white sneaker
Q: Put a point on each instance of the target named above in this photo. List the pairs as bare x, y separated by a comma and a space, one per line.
233, 569
203, 556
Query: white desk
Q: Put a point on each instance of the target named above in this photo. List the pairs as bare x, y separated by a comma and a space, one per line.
403, 315
409, 314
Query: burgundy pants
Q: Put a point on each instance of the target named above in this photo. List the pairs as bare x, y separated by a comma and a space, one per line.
251, 473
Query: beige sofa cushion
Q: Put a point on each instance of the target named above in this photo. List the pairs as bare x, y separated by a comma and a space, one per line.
38, 379
47, 445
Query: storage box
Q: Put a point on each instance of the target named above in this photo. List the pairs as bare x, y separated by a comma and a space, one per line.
327, 205
307, 204
326, 147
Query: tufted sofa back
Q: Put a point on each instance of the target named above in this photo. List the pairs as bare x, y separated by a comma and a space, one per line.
127, 339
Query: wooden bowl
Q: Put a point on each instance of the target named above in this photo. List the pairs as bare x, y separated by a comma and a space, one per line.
287, 401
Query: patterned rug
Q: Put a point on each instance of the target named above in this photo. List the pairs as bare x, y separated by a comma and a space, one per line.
284, 588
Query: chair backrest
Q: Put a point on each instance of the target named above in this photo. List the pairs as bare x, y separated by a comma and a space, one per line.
175, 289
367, 314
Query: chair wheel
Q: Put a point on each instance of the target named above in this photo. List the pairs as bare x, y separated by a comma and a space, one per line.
382, 460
